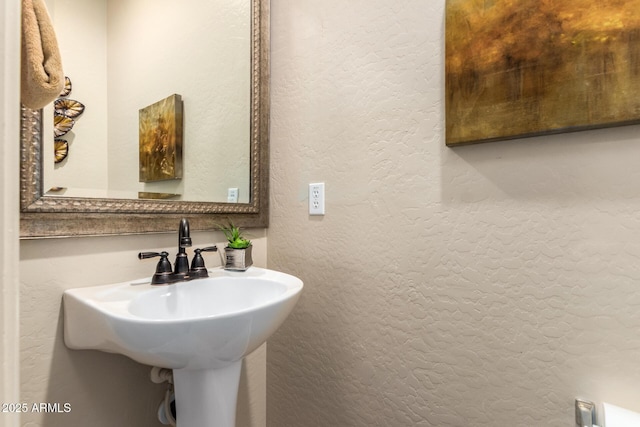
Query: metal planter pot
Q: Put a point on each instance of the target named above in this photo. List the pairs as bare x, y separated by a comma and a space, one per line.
238, 259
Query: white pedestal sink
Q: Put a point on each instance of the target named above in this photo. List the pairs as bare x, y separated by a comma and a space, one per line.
201, 329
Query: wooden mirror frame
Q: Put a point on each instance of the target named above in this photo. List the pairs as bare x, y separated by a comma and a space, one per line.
50, 216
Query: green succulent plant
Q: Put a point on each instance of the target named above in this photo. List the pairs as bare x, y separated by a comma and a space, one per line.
234, 237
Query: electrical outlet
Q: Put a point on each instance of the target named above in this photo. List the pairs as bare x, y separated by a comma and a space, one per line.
232, 195
316, 198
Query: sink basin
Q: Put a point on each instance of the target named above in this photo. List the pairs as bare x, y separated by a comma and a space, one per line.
201, 329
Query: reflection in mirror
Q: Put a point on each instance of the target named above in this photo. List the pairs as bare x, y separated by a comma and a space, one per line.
122, 56
213, 131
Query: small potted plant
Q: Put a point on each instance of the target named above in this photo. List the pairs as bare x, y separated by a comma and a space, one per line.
238, 250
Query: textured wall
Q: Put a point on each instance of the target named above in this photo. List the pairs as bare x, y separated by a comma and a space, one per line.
103, 389
487, 285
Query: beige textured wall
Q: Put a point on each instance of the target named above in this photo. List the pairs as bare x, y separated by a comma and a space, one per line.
487, 285
103, 389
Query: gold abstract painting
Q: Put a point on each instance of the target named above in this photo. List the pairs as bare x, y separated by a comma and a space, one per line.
161, 140
517, 68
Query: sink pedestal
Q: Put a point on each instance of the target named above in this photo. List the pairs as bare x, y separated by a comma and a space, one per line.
207, 397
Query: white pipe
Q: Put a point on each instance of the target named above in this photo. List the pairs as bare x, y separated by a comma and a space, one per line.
159, 376
167, 407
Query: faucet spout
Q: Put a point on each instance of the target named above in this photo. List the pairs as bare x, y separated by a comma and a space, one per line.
184, 238
181, 267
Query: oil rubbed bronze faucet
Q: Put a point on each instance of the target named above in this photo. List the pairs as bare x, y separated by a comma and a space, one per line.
181, 269
181, 272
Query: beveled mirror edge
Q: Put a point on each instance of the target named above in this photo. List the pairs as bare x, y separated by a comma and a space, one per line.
48, 217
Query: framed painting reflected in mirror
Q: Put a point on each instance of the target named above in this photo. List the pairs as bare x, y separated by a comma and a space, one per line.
161, 140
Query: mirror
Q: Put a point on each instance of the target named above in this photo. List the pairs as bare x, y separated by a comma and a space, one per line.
48, 214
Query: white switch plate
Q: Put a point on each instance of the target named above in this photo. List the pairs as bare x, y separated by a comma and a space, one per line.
316, 198
232, 195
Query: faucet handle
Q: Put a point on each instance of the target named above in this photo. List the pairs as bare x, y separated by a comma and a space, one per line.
163, 273
198, 269
145, 255
213, 248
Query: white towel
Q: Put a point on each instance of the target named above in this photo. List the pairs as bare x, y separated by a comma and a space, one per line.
42, 77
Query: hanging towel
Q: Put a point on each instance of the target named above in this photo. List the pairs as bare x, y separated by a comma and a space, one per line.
42, 77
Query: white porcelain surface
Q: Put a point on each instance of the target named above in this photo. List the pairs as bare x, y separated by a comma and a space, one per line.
615, 416
202, 324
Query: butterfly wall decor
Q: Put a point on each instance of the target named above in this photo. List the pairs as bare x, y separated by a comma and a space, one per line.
65, 112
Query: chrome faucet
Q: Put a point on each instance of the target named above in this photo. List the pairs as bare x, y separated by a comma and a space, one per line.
181, 271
